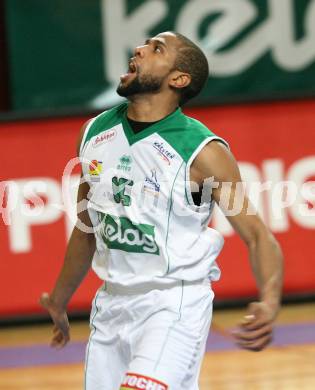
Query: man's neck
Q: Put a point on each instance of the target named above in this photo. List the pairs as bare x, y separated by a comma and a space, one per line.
149, 108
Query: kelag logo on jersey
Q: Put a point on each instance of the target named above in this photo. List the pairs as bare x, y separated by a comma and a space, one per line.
163, 152
121, 233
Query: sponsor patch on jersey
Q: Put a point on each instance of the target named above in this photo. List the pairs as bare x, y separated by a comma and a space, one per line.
165, 154
119, 186
95, 169
151, 184
121, 233
141, 382
125, 162
106, 136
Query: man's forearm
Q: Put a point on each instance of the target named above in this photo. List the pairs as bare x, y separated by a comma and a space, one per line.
267, 262
77, 263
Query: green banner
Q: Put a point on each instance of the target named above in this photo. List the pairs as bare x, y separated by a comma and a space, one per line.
71, 53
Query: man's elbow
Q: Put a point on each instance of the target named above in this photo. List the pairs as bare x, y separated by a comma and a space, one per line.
260, 233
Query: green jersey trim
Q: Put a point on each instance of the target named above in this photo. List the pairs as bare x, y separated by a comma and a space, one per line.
108, 119
168, 219
186, 136
104, 121
183, 133
154, 128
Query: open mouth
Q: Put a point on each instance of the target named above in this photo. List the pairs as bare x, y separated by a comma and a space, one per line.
132, 68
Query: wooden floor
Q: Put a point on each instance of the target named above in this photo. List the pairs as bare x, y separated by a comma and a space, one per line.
285, 367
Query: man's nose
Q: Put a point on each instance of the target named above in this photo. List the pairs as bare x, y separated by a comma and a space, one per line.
139, 51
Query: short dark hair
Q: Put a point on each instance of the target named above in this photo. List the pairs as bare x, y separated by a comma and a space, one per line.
191, 59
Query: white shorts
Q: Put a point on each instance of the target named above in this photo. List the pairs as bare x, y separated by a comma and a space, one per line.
154, 340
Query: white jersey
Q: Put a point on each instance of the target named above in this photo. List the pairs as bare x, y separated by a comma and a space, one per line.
147, 228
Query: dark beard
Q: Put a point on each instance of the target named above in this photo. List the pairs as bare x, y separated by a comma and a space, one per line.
148, 84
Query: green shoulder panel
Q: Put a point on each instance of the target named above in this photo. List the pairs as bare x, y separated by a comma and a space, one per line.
185, 135
105, 121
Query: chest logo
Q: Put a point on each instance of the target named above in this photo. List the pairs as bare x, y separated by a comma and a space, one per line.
125, 162
151, 184
95, 169
104, 137
121, 233
119, 187
166, 155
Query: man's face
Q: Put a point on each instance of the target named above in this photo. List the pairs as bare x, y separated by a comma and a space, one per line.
150, 67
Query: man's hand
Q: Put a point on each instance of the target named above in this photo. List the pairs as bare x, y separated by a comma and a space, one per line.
61, 334
255, 331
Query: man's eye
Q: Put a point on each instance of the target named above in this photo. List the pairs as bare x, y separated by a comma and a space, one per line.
157, 48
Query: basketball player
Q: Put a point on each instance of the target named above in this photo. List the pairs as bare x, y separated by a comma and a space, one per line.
150, 241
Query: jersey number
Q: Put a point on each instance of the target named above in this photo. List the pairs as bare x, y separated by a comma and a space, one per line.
119, 187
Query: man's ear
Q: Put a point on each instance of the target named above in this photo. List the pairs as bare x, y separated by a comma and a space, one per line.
179, 79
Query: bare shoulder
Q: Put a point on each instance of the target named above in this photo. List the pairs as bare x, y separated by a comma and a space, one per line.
214, 151
216, 160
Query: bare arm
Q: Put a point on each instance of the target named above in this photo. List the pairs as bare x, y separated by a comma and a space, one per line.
77, 263
216, 161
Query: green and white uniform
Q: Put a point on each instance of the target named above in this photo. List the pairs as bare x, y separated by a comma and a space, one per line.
155, 252
147, 228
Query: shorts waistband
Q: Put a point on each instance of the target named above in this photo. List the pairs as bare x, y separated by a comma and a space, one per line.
117, 289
